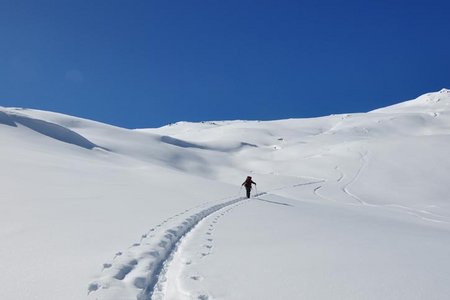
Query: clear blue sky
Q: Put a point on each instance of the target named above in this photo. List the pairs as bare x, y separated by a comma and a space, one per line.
148, 63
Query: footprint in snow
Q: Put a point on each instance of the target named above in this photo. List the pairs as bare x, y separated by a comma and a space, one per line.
107, 266
139, 282
153, 253
196, 277
123, 272
93, 287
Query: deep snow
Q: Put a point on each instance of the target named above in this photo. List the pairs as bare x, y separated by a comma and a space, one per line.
352, 206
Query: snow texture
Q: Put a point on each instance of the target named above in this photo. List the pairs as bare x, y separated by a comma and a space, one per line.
351, 206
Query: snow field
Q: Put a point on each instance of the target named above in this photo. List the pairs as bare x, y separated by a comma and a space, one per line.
142, 264
280, 248
356, 207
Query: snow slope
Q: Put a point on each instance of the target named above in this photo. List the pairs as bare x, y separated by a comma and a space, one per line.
350, 206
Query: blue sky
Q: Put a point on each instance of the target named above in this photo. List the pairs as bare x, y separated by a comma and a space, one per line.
149, 63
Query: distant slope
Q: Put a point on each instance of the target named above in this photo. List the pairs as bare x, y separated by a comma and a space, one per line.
430, 102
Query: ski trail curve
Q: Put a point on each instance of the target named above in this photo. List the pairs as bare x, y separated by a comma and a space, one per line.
346, 190
173, 236
134, 273
166, 276
419, 213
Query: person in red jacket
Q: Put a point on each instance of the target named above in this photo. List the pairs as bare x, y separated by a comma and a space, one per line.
248, 185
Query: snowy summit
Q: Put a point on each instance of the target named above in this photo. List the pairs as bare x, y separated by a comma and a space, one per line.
352, 206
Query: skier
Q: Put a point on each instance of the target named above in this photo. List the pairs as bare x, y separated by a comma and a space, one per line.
248, 185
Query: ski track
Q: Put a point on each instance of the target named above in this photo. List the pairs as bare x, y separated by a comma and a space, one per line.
418, 213
316, 192
143, 263
206, 249
345, 189
341, 175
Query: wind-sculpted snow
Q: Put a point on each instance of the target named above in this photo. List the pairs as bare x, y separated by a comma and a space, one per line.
48, 129
180, 143
135, 272
5, 119
184, 144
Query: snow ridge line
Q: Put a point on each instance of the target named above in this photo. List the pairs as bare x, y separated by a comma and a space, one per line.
172, 238
135, 272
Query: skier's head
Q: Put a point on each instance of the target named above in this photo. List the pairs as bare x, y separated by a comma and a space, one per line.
249, 177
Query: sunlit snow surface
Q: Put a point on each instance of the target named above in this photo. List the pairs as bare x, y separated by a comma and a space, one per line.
352, 206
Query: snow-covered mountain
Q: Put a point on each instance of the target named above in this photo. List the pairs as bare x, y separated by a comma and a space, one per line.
352, 206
